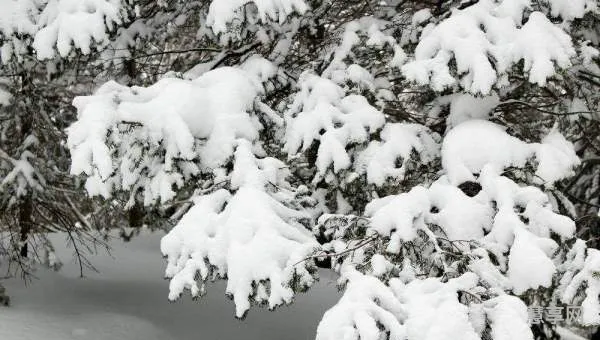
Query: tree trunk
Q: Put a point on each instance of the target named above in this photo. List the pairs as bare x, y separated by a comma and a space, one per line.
25, 223
26, 203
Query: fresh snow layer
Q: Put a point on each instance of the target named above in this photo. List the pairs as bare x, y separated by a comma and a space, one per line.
357, 312
566, 334
477, 144
513, 222
57, 25
486, 31
248, 236
322, 105
89, 325
398, 142
464, 107
67, 23
418, 309
323, 114
247, 242
588, 274
222, 12
154, 138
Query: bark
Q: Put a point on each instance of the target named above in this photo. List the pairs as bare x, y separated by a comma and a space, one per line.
25, 223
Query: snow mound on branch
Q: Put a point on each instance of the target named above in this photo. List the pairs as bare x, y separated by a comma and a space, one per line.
222, 12
248, 237
476, 144
15, 17
514, 223
401, 216
588, 275
389, 157
65, 22
322, 112
400, 225
541, 43
156, 138
556, 158
508, 318
420, 309
434, 311
572, 9
460, 216
17, 20
533, 203
527, 252
366, 303
135, 137
23, 176
488, 31
464, 107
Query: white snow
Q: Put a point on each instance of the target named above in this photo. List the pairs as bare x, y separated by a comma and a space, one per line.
511, 221
66, 23
540, 43
556, 158
490, 29
246, 241
464, 107
421, 309
398, 141
509, 318
566, 334
366, 302
248, 237
588, 273
475, 144
15, 18
245, 225
525, 254
23, 175
221, 12
461, 217
400, 225
321, 104
188, 119
434, 311
572, 9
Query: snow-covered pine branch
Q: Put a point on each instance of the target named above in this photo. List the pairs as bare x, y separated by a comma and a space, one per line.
52, 26
136, 140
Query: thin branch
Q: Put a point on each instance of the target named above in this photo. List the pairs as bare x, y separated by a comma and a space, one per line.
320, 256
77, 212
198, 49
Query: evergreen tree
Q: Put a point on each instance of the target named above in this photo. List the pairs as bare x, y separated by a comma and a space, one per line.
441, 157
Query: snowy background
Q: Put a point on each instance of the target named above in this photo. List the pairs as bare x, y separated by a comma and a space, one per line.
127, 301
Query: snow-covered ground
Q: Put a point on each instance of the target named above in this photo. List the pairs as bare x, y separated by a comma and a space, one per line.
127, 300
